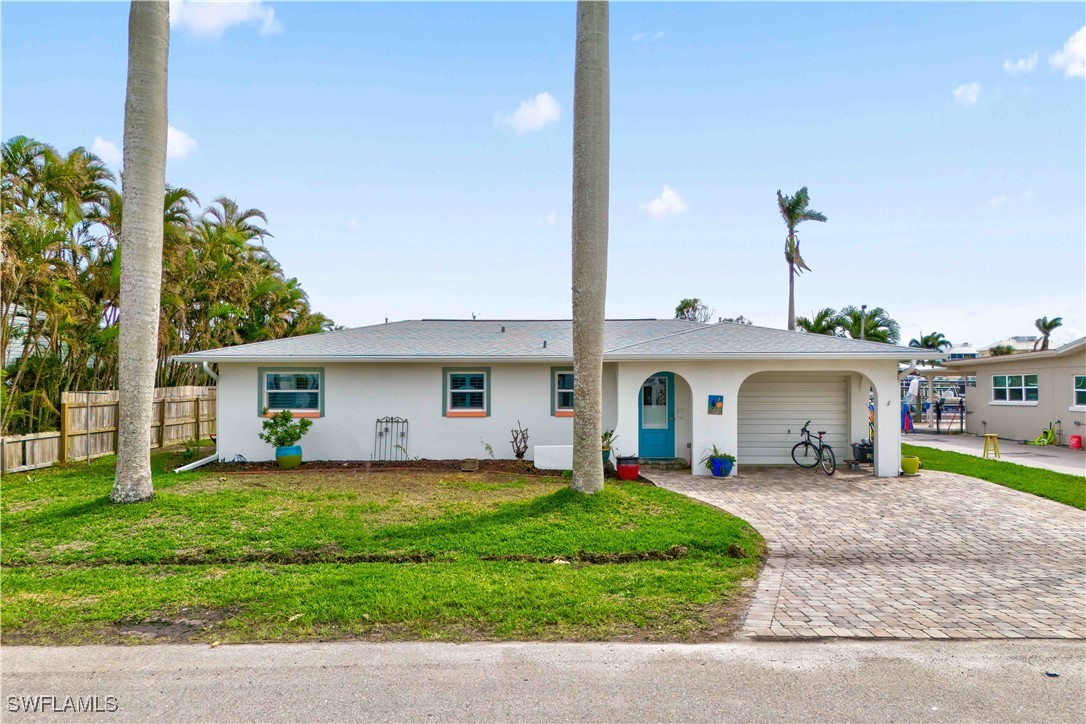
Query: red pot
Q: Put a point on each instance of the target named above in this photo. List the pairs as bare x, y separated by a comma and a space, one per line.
627, 468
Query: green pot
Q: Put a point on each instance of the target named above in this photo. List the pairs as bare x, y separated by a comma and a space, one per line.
910, 465
606, 456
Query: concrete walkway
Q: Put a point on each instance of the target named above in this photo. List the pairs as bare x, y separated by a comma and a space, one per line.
934, 556
1059, 459
929, 681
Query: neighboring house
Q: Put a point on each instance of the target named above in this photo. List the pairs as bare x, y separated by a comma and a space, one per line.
464, 384
1022, 343
1018, 395
961, 351
20, 323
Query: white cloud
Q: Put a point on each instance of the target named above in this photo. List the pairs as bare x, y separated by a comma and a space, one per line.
648, 37
532, 114
1021, 66
1003, 199
968, 94
668, 203
211, 19
1072, 59
549, 219
178, 143
353, 224
107, 151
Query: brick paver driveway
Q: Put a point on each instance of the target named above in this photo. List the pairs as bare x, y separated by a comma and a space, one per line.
935, 556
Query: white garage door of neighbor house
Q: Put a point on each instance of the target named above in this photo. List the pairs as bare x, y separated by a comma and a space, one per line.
773, 408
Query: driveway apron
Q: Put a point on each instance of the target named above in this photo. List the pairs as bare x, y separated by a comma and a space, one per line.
936, 556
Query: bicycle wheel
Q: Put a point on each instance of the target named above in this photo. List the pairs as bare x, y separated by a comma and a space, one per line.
828, 461
805, 454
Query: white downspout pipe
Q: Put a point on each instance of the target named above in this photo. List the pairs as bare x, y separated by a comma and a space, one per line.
215, 455
192, 466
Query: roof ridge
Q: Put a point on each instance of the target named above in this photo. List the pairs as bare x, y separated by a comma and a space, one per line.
665, 336
707, 327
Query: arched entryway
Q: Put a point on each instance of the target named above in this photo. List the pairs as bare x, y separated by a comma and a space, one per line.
664, 414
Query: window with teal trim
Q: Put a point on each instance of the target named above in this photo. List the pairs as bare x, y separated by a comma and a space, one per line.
292, 391
467, 391
563, 391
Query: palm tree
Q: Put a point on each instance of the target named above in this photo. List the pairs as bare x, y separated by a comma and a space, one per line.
1000, 350
876, 325
61, 216
1046, 327
144, 186
825, 321
591, 158
935, 340
794, 211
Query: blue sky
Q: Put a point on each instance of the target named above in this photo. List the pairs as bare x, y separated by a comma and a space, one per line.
946, 144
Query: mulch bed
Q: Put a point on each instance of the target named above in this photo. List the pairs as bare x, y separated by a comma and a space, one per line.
517, 467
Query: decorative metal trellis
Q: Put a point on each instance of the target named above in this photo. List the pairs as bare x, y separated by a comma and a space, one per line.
390, 439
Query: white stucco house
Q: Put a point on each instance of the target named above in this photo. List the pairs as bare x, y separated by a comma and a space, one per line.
672, 389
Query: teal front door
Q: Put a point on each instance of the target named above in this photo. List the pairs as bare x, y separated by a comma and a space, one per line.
656, 416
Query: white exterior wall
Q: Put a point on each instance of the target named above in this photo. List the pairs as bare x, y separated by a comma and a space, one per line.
726, 377
356, 394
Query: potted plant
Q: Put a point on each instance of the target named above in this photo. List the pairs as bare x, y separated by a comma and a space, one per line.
284, 432
606, 439
719, 463
627, 467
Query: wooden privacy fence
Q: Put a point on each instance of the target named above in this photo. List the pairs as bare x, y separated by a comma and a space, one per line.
88, 427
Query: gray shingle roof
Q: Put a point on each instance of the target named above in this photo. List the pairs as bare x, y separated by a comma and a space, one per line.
551, 339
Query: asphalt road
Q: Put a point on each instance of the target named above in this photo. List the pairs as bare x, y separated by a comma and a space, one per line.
739, 681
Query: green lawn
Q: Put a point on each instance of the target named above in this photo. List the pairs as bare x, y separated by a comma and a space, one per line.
1063, 488
318, 555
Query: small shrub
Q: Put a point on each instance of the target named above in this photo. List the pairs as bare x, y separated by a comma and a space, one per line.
520, 441
282, 430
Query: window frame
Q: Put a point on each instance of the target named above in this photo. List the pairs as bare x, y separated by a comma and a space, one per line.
446, 392
262, 390
556, 410
1023, 387
1077, 406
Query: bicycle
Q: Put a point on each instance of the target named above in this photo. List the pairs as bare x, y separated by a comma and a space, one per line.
809, 453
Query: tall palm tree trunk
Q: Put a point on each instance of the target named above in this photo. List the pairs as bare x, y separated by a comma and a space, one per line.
791, 296
591, 159
143, 186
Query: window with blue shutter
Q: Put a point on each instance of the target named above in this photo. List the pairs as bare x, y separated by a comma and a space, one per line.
295, 390
466, 391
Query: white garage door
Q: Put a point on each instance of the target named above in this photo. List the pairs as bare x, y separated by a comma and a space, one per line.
774, 406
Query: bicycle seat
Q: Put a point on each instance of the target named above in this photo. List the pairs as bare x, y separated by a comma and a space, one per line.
821, 432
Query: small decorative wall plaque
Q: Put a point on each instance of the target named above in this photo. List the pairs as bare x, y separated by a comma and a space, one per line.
716, 404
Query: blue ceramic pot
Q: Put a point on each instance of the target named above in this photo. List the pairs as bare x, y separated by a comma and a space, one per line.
720, 467
288, 457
